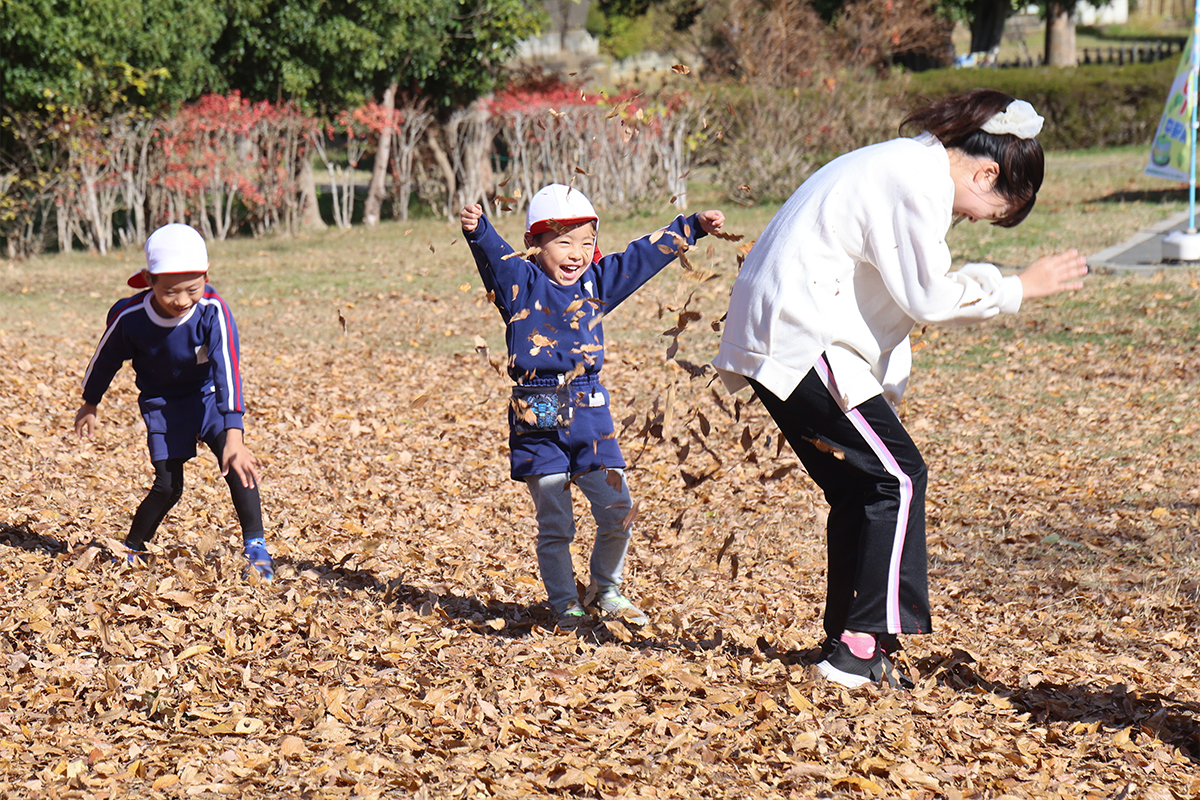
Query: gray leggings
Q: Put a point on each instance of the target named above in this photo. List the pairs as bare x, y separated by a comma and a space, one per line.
556, 531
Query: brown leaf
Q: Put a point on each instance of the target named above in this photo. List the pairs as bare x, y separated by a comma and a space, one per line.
532, 251
632, 516
725, 546
825, 447
618, 629
292, 746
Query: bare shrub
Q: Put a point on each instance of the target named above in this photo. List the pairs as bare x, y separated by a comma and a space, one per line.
471, 132
629, 152
414, 120
776, 138
33, 157
785, 43
765, 43
878, 33
809, 91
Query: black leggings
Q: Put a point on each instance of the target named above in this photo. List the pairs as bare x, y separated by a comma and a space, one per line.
168, 488
874, 479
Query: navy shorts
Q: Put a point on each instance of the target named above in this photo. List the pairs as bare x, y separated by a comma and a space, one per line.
175, 424
588, 443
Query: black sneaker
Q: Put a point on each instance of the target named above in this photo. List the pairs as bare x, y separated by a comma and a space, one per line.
889, 643
843, 667
894, 677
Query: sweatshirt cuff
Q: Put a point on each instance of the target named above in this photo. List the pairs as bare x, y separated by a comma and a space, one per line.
1012, 293
480, 228
234, 420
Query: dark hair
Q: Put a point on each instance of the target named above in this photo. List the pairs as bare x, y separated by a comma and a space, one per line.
958, 122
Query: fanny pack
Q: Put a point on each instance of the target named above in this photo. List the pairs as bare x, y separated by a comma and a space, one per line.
541, 408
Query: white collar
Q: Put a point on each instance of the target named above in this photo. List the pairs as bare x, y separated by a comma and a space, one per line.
166, 322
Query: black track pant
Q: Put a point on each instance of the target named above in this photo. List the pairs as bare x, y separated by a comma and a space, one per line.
877, 581
168, 488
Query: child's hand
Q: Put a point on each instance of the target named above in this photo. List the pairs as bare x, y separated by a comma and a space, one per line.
1061, 272
470, 217
710, 221
85, 420
239, 459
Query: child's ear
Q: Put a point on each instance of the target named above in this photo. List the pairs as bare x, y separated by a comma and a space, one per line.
530, 239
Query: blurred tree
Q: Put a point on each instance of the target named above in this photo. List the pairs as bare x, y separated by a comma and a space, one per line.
325, 54
333, 54
627, 27
336, 54
1060, 32
98, 53
987, 20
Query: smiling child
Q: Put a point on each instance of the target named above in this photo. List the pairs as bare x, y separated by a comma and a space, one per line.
183, 343
553, 298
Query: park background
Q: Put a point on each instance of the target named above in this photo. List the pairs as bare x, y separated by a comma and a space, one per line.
403, 650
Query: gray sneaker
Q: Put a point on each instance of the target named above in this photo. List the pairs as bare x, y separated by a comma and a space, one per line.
619, 606
572, 618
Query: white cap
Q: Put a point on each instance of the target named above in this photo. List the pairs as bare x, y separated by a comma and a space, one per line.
172, 249
559, 203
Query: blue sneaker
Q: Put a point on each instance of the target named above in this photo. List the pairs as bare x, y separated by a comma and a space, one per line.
256, 553
136, 556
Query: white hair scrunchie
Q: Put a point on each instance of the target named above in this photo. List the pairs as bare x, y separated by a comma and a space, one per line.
1019, 119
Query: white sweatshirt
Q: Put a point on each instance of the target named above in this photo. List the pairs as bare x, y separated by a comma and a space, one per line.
847, 266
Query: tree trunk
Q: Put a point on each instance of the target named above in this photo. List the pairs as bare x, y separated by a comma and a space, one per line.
1060, 34
439, 155
310, 211
987, 24
377, 190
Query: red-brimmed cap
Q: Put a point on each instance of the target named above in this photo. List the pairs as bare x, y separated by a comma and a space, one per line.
557, 204
172, 249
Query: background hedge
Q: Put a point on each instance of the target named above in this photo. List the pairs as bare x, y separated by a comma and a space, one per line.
1085, 107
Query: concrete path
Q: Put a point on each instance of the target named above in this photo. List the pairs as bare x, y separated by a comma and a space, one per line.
1142, 252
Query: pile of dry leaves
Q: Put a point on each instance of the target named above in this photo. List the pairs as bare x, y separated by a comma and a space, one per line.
404, 650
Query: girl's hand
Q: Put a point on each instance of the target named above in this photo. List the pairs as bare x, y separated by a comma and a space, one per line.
470, 217
239, 459
710, 221
1061, 272
85, 420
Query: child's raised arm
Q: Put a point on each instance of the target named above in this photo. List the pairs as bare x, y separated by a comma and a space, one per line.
470, 216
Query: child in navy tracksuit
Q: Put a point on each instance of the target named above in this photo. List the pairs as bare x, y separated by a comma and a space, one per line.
183, 343
553, 298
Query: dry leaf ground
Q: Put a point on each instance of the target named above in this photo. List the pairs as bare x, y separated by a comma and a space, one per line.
403, 649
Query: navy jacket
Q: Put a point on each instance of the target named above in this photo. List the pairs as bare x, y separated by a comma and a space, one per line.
172, 357
555, 330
